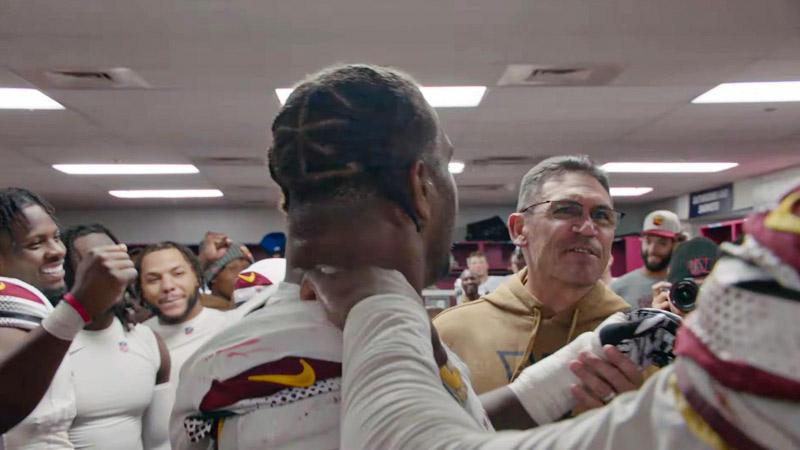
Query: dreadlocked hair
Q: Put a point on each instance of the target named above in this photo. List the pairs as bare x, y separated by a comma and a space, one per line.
12, 201
68, 237
187, 254
351, 132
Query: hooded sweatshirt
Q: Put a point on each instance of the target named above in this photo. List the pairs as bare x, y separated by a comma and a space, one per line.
501, 333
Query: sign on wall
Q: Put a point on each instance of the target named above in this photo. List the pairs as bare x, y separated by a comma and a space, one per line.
711, 201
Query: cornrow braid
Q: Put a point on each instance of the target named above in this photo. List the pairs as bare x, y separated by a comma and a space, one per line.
12, 201
349, 132
68, 237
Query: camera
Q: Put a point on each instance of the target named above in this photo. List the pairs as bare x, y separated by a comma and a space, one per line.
684, 295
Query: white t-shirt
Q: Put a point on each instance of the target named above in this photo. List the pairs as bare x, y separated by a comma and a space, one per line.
115, 373
289, 337
183, 339
394, 399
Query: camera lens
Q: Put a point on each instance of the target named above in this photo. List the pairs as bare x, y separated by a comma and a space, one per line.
683, 295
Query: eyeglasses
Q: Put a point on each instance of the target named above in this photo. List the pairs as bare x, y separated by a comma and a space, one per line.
571, 211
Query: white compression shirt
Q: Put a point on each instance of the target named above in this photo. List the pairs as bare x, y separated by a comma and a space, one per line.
115, 373
46, 427
183, 339
394, 399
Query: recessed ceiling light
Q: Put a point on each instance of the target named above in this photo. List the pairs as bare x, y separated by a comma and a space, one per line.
667, 167
762, 92
437, 96
456, 166
629, 191
125, 169
168, 193
18, 98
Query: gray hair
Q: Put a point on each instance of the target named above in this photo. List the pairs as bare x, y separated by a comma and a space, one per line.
550, 168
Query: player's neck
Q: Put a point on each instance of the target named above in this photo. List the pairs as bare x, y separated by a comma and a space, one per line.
101, 323
380, 244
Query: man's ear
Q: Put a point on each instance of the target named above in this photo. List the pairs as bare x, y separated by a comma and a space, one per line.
421, 191
516, 222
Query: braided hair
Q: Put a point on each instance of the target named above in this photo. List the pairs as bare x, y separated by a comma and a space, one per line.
68, 237
12, 201
352, 132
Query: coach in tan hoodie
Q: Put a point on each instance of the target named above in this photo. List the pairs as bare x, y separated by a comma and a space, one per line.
565, 227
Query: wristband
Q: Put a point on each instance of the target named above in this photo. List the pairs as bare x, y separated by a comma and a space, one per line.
72, 301
64, 322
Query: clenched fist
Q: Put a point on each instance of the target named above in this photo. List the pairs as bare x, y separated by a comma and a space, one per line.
101, 278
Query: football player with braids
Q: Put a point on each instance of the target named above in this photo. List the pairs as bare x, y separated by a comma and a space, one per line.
362, 161
129, 401
36, 393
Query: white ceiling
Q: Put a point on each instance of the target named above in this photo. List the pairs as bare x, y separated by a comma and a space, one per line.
214, 64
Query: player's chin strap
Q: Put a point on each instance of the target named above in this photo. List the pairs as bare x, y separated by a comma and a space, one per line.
645, 336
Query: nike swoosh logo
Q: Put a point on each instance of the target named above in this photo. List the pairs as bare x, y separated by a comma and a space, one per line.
249, 278
304, 379
72, 352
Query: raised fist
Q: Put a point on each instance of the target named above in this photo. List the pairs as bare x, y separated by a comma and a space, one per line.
101, 278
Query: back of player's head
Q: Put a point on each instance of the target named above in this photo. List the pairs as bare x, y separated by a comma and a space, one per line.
351, 132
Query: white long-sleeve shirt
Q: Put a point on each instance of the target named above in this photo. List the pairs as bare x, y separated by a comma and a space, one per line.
394, 399
272, 340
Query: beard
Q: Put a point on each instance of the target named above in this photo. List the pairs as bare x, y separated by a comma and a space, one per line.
659, 266
175, 320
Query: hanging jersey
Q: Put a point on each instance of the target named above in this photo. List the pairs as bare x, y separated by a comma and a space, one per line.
115, 372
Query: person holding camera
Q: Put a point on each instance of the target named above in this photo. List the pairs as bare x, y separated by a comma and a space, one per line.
691, 262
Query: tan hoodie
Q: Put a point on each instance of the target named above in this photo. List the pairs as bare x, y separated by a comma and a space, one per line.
503, 332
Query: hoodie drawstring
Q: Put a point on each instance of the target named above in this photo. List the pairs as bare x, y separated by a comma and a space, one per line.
572, 327
523, 362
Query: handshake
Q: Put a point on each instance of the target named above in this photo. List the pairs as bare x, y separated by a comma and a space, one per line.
645, 336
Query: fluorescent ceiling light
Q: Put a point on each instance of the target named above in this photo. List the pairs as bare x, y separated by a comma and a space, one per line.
453, 96
762, 92
283, 94
16, 98
629, 191
667, 167
437, 96
125, 169
168, 193
456, 166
